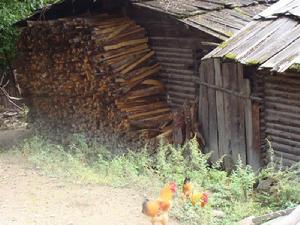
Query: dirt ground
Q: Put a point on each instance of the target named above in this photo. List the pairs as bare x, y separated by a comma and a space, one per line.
27, 198
9, 138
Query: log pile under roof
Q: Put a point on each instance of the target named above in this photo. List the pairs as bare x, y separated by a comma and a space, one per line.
83, 74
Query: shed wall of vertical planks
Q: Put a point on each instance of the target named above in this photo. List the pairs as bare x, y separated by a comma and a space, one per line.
225, 111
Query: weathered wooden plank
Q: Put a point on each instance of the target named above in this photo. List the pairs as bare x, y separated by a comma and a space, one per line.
251, 122
252, 29
241, 132
212, 113
283, 87
283, 107
225, 20
275, 43
172, 49
256, 126
176, 71
228, 110
273, 118
243, 49
291, 146
178, 82
203, 104
169, 59
273, 132
279, 7
180, 88
283, 100
181, 42
283, 115
279, 151
186, 72
209, 27
220, 107
138, 62
124, 44
241, 17
287, 119
185, 78
172, 54
231, 81
176, 100
259, 220
181, 95
284, 59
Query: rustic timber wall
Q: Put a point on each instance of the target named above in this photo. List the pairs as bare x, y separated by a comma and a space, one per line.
281, 103
179, 50
226, 113
240, 108
258, 92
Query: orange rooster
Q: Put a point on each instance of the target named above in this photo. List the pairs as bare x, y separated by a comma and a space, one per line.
200, 199
196, 198
158, 209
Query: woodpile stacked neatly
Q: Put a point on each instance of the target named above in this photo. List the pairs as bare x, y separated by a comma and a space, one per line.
88, 73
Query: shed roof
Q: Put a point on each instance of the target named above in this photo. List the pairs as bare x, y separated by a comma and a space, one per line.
271, 41
220, 18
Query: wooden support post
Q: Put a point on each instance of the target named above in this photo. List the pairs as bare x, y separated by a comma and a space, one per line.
253, 155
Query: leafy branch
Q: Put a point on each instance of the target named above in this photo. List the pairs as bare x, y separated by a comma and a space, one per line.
12, 11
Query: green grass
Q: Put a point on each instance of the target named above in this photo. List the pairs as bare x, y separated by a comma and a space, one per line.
231, 193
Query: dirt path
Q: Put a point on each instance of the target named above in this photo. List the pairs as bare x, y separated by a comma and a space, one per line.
28, 198
9, 138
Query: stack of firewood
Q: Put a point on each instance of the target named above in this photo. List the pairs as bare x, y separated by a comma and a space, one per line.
86, 73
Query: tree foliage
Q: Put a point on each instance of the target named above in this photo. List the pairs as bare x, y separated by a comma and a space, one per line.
11, 11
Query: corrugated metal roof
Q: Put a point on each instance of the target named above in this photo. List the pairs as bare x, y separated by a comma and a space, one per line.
220, 18
272, 41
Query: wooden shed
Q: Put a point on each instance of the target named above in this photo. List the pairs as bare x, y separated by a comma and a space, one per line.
252, 83
179, 32
182, 32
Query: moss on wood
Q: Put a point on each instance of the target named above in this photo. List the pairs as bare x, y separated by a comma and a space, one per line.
252, 62
223, 44
295, 67
240, 11
231, 56
228, 33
